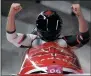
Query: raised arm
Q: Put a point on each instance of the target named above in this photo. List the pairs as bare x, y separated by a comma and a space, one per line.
83, 36
18, 39
14, 9
83, 26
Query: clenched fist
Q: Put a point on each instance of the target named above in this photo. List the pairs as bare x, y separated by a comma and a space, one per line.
15, 8
76, 9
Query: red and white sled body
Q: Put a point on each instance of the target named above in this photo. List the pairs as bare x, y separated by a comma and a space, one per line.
50, 58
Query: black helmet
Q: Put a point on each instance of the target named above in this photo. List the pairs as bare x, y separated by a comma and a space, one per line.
48, 25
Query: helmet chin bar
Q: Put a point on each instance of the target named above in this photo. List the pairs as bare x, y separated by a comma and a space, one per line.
48, 38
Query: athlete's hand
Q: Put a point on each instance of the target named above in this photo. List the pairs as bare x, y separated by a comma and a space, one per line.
76, 9
15, 8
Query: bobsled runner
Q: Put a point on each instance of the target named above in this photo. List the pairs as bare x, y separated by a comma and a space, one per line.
50, 58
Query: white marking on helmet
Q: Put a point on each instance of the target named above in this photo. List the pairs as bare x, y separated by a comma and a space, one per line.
57, 24
47, 25
42, 15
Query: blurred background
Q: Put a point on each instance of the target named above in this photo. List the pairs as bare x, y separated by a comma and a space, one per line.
25, 22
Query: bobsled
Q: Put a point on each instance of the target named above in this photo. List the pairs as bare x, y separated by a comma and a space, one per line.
50, 58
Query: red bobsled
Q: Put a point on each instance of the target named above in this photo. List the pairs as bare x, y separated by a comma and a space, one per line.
50, 58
